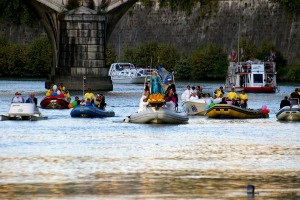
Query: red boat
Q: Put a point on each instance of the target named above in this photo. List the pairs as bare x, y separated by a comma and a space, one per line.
53, 102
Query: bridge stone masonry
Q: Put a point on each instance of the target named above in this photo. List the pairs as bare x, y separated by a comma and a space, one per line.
78, 38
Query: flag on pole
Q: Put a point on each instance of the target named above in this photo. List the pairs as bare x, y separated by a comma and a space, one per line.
164, 74
233, 56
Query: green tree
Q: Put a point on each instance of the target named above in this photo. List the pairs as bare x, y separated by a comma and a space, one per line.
39, 57
291, 6
111, 56
183, 68
209, 62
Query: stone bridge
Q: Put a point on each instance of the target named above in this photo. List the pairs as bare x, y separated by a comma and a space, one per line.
78, 38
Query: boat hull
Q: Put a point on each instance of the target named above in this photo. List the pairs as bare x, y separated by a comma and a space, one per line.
90, 112
54, 103
159, 116
23, 111
195, 107
128, 80
288, 113
253, 89
230, 111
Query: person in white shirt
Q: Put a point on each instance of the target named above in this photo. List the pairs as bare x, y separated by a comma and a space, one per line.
186, 94
193, 94
18, 98
144, 100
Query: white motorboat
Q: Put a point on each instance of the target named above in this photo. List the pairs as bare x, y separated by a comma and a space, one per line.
252, 76
198, 106
129, 74
160, 115
23, 111
290, 113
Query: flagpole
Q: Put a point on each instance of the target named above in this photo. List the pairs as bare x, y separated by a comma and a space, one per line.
83, 85
239, 28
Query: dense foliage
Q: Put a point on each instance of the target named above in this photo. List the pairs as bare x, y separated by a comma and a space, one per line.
25, 61
16, 12
291, 6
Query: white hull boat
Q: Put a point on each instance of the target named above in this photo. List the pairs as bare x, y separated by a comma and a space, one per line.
23, 111
290, 113
198, 106
127, 73
159, 116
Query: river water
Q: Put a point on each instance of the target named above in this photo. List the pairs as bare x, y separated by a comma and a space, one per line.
75, 158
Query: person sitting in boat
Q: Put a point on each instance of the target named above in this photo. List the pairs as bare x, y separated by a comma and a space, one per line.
193, 94
198, 90
234, 102
173, 87
32, 99
223, 101
186, 94
82, 102
76, 102
100, 101
144, 100
171, 101
88, 102
18, 98
243, 99
61, 87
89, 95
219, 91
295, 94
285, 102
49, 92
156, 84
232, 95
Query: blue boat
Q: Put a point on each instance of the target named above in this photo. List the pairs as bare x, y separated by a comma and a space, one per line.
90, 111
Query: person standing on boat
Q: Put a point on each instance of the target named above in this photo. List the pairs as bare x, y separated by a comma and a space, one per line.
32, 99
186, 94
18, 98
156, 84
144, 100
89, 95
285, 102
232, 95
243, 99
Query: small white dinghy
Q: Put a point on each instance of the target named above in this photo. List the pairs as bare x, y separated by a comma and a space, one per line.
290, 113
23, 111
159, 115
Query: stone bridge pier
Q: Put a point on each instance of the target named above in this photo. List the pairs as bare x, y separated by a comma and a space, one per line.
78, 39
82, 51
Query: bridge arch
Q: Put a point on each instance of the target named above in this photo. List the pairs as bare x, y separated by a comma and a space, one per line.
78, 39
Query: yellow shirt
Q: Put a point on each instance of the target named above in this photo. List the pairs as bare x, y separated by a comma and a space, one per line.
243, 97
232, 95
90, 96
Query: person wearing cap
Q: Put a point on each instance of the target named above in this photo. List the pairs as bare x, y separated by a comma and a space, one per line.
18, 98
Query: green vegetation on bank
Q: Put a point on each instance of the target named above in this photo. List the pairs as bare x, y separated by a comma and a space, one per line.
32, 60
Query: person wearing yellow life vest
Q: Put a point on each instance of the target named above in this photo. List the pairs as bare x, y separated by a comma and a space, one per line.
49, 92
232, 95
243, 99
